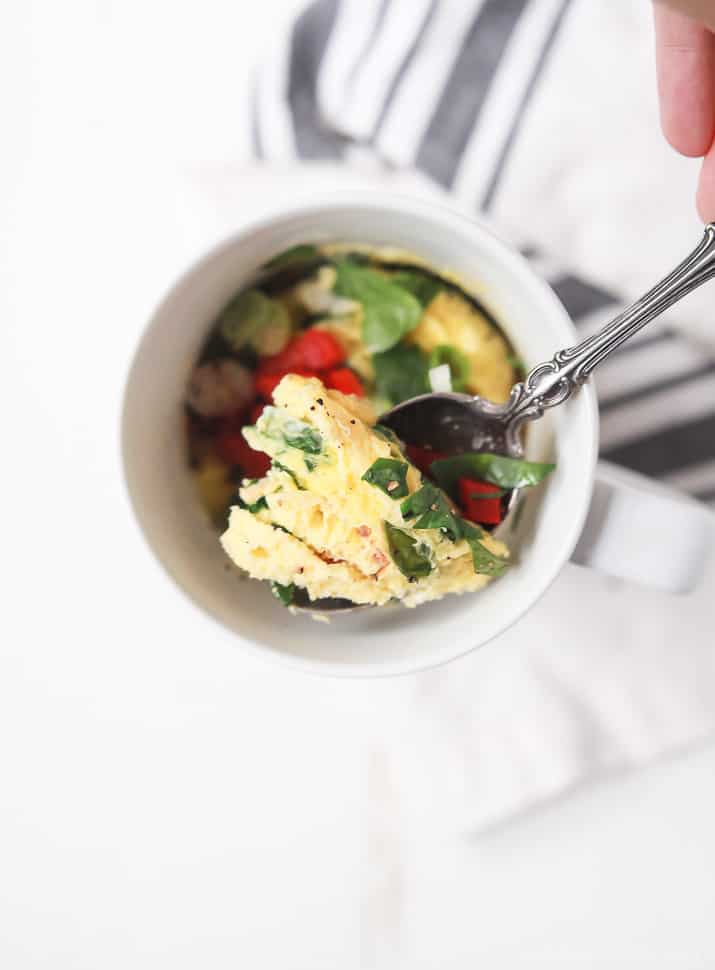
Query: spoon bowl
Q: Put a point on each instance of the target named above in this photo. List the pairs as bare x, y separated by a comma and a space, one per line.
459, 423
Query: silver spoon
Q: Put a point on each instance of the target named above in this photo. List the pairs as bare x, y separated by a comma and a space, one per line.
457, 423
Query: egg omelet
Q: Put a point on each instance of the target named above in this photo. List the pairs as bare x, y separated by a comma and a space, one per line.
450, 319
328, 516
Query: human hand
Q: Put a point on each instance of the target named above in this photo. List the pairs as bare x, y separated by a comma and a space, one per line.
685, 56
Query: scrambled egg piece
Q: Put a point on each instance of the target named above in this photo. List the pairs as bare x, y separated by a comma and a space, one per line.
450, 319
315, 522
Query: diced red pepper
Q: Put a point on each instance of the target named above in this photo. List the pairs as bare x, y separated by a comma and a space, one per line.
487, 510
343, 379
312, 350
235, 450
266, 384
255, 412
423, 457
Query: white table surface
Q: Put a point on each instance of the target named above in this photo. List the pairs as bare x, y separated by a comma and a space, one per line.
165, 801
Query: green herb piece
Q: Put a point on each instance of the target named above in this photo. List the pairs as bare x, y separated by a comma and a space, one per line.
290, 473
254, 323
401, 373
432, 510
295, 256
421, 285
459, 366
283, 593
498, 469
254, 507
389, 311
517, 363
309, 463
281, 528
388, 434
357, 257
410, 557
484, 561
276, 425
247, 312
390, 475
297, 434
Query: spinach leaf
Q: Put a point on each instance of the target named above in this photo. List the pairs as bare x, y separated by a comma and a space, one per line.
497, 469
389, 311
294, 256
290, 473
410, 557
484, 561
297, 434
459, 366
281, 528
254, 507
388, 434
283, 593
401, 373
244, 316
390, 475
253, 325
432, 510
421, 285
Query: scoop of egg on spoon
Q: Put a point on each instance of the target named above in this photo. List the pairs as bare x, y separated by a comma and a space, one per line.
458, 423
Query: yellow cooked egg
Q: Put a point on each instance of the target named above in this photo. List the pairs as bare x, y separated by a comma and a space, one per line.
333, 514
450, 320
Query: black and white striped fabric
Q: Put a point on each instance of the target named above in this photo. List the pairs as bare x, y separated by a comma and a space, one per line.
447, 87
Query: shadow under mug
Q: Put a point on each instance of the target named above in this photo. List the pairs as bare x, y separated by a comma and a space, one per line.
596, 515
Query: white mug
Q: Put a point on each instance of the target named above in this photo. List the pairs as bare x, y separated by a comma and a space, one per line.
596, 515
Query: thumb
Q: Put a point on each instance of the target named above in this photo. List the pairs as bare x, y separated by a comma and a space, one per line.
706, 187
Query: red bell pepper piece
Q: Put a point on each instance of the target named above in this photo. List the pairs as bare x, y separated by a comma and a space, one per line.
423, 457
343, 379
480, 501
255, 412
312, 350
266, 385
233, 448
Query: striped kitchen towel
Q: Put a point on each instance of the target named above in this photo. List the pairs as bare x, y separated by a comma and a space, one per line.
486, 98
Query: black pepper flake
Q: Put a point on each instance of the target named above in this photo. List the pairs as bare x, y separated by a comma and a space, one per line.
320, 401
353, 421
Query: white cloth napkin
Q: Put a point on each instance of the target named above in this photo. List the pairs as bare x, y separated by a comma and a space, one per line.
513, 109
544, 114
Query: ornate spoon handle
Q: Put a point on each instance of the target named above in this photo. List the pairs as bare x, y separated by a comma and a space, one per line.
556, 380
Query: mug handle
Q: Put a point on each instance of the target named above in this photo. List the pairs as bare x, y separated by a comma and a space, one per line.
639, 530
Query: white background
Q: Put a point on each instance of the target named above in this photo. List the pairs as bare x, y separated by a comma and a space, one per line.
164, 801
